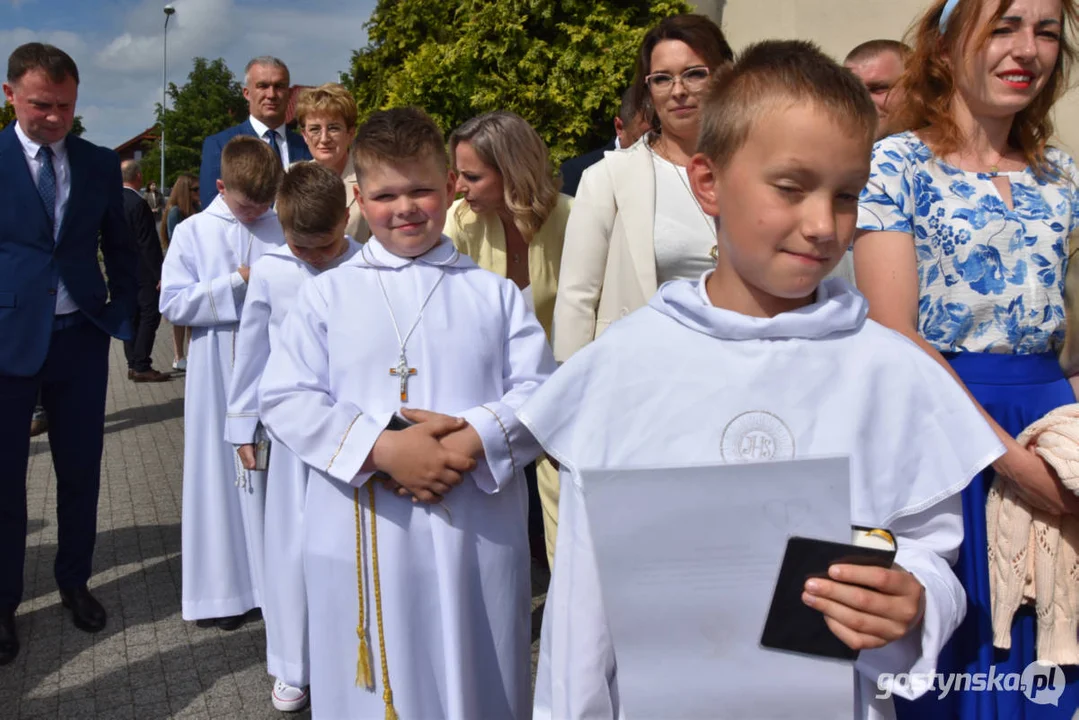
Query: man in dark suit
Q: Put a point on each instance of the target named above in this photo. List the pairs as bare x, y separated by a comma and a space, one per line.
148, 246
266, 87
628, 127
61, 202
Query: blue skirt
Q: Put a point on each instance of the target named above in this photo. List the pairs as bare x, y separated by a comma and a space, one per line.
1016, 390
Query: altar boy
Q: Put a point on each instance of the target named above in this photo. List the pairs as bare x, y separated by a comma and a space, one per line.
760, 360
203, 283
313, 211
433, 578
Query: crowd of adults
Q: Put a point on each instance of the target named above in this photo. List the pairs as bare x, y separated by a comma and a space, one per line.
963, 161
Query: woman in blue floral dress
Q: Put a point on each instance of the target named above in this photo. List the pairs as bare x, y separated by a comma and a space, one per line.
962, 247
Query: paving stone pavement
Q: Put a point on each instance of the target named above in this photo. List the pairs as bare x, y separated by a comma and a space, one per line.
147, 664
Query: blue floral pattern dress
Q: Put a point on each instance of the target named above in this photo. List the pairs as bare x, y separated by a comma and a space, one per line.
991, 299
990, 279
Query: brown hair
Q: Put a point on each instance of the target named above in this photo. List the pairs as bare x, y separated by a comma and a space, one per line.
56, 63
249, 166
929, 82
780, 72
390, 137
311, 200
872, 48
506, 142
180, 197
699, 32
328, 99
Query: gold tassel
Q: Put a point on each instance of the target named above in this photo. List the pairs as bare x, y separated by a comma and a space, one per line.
364, 678
387, 693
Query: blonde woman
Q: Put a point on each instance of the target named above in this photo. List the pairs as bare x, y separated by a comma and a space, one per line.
327, 121
511, 220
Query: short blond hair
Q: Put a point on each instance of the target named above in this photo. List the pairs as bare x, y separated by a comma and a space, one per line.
329, 99
777, 73
250, 167
311, 200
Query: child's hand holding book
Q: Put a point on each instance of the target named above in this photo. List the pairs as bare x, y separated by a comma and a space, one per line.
865, 606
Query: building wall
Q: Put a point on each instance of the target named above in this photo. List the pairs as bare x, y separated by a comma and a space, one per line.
839, 25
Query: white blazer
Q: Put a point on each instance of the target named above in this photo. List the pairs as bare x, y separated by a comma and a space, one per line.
609, 258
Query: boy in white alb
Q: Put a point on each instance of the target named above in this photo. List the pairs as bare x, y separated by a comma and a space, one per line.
428, 560
313, 212
757, 349
203, 283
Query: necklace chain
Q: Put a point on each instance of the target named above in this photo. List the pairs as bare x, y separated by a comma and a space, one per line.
402, 371
710, 222
389, 306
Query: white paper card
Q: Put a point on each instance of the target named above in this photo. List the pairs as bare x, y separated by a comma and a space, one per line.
688, 559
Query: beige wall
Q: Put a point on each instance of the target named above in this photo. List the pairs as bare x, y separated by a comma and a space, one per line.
839, 25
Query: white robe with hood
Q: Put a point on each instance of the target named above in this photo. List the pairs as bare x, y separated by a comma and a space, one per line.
681, 382
201, 289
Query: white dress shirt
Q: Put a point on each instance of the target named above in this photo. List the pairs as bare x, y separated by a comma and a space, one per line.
62, 167
282, 140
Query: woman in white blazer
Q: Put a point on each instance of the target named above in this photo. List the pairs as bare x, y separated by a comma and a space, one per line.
635, 223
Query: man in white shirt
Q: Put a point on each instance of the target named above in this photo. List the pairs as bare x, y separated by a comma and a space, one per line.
266, 88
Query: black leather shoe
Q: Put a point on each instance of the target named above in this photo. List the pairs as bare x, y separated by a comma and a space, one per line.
9, 641
87, 612
232, 622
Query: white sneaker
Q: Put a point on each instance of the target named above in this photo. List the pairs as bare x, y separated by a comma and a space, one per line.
287, 698
180, 364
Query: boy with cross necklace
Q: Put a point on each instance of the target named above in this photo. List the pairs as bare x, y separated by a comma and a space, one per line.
443, 620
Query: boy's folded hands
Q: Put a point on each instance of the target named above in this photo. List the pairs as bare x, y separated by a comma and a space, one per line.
427, 459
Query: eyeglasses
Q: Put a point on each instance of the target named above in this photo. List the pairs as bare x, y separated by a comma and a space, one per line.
693, 80
316, 131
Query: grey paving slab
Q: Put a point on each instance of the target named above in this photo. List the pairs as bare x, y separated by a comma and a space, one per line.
147, 663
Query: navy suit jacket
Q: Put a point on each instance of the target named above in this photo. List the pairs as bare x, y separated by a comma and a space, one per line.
574, 168
31, 262
210, 169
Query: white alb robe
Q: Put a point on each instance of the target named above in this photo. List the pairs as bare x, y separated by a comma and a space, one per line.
454, 578
681, 382
271, 293
201, 289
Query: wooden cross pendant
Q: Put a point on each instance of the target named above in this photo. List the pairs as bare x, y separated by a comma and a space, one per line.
403, 372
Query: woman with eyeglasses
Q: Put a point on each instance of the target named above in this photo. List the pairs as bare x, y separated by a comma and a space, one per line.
183, 203
327, 120
635, 223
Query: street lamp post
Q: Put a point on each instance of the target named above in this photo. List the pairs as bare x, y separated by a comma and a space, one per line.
169, 10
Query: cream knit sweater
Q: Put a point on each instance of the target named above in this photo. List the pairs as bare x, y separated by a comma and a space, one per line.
1034, 556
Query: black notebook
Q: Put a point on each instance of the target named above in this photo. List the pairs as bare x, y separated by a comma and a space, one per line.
792, 625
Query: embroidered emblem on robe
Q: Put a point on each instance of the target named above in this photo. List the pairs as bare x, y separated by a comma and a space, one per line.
757, 436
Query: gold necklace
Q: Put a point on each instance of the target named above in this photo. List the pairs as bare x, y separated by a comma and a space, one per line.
708, 220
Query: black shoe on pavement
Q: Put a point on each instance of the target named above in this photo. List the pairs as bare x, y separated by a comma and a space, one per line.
86, 611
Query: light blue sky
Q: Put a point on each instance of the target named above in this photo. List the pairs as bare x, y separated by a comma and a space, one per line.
117, 46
